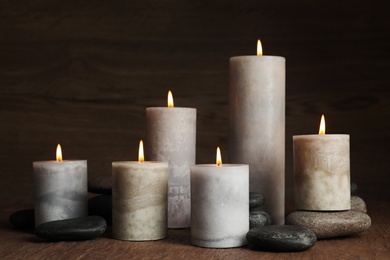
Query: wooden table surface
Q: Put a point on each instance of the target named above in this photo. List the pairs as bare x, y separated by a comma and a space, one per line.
81, 73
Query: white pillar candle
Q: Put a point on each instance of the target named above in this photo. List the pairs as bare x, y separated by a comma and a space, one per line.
322, 172
139, 200
60, 190
171, 136
220, 205
257, 126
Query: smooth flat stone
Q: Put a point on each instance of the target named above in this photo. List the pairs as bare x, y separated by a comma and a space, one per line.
75, 229
358, 204
258, 218
100, 185
255, 200
331, 224
23, 219
101, 206
281, 238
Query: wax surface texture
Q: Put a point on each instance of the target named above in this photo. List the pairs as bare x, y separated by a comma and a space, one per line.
322, 172
220, 205
257, 126
139, 200
60, 190
171, 137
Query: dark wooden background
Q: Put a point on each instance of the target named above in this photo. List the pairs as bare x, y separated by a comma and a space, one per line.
81, 73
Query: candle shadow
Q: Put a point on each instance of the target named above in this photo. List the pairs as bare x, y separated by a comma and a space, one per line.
179, 236
107, 233
36, 240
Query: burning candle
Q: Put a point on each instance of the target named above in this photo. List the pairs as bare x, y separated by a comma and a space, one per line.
220, 204
171, 136
60, 189
139, 199
257, 125
322, 171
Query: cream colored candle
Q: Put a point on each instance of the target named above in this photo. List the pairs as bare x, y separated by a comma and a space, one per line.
171, 136
257, 126
60, 189
139, 200
322, 172
220, 205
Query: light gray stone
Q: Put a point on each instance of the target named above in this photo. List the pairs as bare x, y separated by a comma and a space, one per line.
331, 224
358, 204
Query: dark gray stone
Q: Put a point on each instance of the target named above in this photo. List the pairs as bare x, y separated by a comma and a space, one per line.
75, 229
23, 219
258, 218
101, 206
331, 224
353, 187
255, 200
281, 238
100, 185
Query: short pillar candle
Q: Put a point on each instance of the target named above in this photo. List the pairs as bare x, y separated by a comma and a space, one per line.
60, 189
139, 200
220, 205
322, 172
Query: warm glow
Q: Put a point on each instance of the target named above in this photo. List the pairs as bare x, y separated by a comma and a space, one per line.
322, 126
59, 153
170, 99
259, 48
141, 157
219, 157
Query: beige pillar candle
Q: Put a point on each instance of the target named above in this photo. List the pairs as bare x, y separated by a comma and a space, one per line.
257, 126
322, 172
171, 136
139, 200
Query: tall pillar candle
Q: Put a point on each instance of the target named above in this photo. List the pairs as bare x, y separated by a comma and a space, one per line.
257, 126
60, 190
220, 205
322, 172
139, 200
171, 136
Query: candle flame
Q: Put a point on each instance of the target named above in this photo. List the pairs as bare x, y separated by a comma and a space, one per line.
59, 153
170, 99
219, 157
259, 48
141, 157
322, 126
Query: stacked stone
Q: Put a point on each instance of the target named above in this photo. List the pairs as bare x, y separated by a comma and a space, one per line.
75, 229
330, 224
101, 205
279, 238
257, 217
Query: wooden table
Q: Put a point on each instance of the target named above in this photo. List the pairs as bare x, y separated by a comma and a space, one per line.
81, 73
